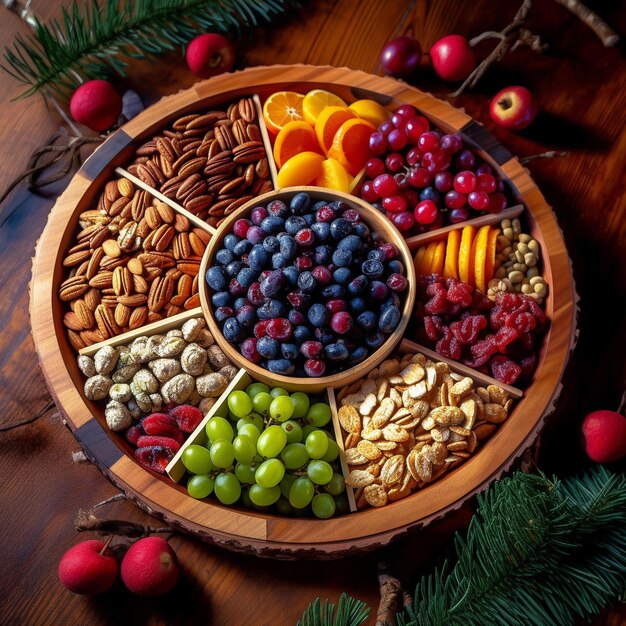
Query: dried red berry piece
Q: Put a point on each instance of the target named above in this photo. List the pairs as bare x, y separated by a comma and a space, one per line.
155, 440
504, 370
433, 327
467, 329
187, 417
437, 305
521, 322
460, 293
481, 302
449, 346
162, 425
133, 433
154, 458
504, 337
483, 350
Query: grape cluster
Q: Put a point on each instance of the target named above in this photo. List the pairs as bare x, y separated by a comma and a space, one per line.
422, 178
271, 450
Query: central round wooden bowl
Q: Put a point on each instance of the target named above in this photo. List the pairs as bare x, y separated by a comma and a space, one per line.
378, 223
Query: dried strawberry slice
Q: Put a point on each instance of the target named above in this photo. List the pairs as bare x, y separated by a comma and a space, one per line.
504, 337
187, 417
433, 327
460, 293
509, 301
468, 329
437, 305
521, 322
483, 350
155, 440
133, 433
449, 346
504, 370
162, 425
154, 458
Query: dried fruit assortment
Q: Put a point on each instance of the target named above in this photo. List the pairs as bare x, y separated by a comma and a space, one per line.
411, 421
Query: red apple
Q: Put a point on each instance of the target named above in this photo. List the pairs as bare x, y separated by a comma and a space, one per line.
96, 104
210, 54
150, 567
401, 56
513, 108
452, 58
88, 569
605, 436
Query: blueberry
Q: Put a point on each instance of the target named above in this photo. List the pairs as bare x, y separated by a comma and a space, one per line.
367, 320
291, 274
340, 228
239, 302
378, 290
271, 309
281, 366
342, 257
230, 241
233, 268
289, 350
309, 218
372, 268
321, 230
246, 315
323, 255
288, 247
255, 234
357, 286
358, 354
361, 230
221, 298
278, 208
307, 282
272, 224
318, 315
271, 244
216, 278
376, 255
294, 223
392, 300
351, 242
222, 313
296, 317
258, 257
336, 352
395, 266
233, 331
389, 319
242, 247
324, 336
342, 275
375, 340
273, 283
224, 256
318, 205
247, 276
267, 347
301, 333
357, 305
300, 203
430, 193
333, 292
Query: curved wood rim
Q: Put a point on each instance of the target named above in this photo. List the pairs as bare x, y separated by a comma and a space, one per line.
273, 535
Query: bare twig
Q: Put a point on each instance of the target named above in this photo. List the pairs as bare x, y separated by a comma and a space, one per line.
622, 404
30, 420
550, 154
607, 35
87, 521
116, 498
392, 597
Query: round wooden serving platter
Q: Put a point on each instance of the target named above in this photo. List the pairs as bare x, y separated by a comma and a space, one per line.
242, 529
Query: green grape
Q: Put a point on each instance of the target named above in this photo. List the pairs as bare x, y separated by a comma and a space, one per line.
272, 440
333, 451
219, 428
239, 403
200, 486
341, 502
294, 455
319, 472
293, 430
245, 473
323, 505
278, 391
222, 453
301, 493
250, 431
286, 482
261, 402
281, 408
227, 488
269, 473
318, 415
307, 430
317, 444
264, 496
283, 506
300, 404
245, 448
336, 485
253, 388
197, 459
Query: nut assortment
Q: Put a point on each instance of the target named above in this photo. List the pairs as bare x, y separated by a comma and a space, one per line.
135, 261
411, 421
182, 366
211, 163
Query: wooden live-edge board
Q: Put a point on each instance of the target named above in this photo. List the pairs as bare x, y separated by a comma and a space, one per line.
259, 533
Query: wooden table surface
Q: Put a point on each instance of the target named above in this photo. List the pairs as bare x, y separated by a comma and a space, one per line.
580, 87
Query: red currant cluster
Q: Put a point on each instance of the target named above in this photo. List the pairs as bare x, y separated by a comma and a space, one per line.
422, 178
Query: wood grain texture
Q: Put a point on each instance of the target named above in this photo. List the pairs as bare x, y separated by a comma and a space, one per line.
580, 89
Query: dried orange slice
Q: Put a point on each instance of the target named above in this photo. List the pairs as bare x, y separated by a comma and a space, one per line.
427, 261
419, 259
490, 258
451, 264
282, 107
436, 266
334, 176
328, 123
465, 251
293, 138
316, 100
351, 144
302, 169
371, 111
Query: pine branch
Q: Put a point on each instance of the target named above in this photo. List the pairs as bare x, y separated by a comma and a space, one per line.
538, 552
95, 43
350, 612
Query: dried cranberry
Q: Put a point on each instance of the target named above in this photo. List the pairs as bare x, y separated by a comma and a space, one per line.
504, 370
155, 458
187, 417
155, 440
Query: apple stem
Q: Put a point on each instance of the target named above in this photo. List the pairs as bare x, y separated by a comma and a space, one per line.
622, 404
106, 545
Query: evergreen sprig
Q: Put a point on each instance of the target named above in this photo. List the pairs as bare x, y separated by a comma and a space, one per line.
350, 612
93, 43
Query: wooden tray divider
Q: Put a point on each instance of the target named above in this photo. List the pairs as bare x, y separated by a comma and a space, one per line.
194, 219
342, 450
149, 329
482, 220
266, 140
406, 345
